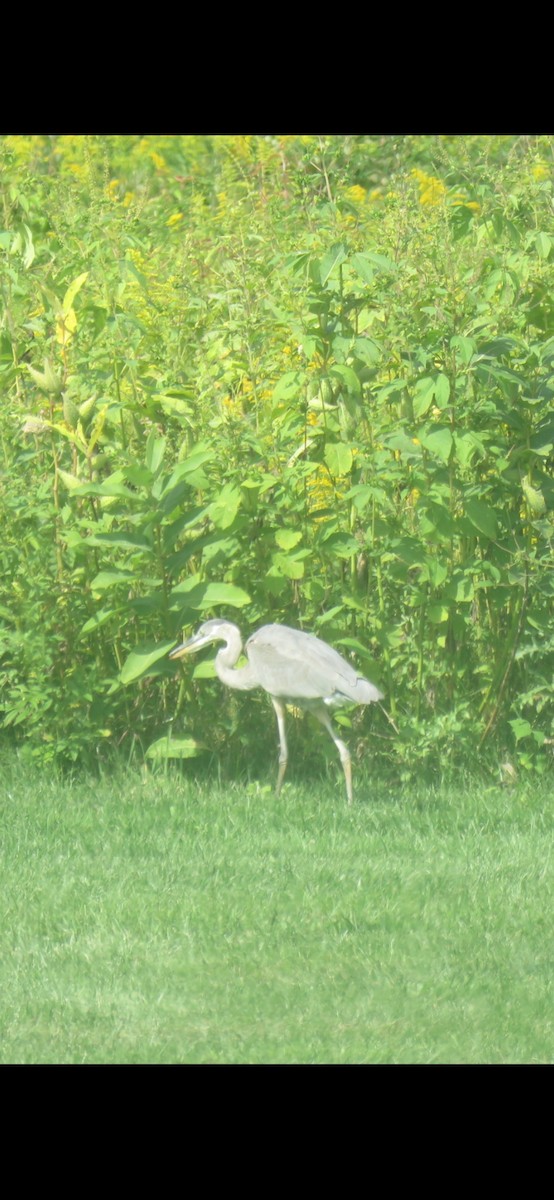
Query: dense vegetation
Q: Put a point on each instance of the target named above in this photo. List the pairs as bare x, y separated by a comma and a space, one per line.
287, 379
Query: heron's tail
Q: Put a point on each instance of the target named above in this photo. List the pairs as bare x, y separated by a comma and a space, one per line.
367, 693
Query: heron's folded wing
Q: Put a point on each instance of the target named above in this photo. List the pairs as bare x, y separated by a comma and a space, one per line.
299, 666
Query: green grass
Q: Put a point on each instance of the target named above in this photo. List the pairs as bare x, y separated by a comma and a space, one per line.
155, 920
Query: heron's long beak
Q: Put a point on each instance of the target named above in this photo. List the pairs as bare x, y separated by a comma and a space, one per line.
189, 647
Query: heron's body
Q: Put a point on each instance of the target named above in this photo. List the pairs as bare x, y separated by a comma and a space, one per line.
292, 667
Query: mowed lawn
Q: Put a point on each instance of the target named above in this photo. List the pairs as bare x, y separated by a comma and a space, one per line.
158, 920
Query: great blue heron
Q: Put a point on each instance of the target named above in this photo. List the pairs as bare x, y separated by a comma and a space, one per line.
294, 668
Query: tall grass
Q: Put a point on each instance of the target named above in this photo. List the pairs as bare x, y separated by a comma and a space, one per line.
155, 919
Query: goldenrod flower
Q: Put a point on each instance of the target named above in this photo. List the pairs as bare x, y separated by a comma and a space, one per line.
431, 190
356, 193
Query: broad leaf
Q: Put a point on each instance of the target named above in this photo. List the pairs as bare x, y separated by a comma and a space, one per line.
72, 291
211, 595
348, 377
142, 658
224, 510
442, 391
338, 457
155, 449
437, 442
288, 386
544, 244
364, 267
424, 393
109, 579
482, 517
170, 747
287, 538
330, 261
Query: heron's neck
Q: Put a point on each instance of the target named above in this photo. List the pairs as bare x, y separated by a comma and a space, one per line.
232, 676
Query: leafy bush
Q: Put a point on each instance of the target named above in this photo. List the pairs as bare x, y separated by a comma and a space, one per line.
302, 380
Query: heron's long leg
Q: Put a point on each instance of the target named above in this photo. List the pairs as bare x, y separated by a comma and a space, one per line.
283, 752
322, 715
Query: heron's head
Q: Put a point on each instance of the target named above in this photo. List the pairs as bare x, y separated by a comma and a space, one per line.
211, 631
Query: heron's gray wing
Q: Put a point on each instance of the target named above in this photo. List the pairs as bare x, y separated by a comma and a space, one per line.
299, 666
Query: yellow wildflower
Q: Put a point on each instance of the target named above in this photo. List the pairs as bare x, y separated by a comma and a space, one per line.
356, 193
242, 145
320, 491
175, 218
540, 170
431, 190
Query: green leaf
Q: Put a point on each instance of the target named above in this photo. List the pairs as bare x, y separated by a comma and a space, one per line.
395, 388
289, 565
186, 585
288, 386
465, 347
348, 377
224, 510
97, 620
465, 446
287, 538
70, 481
169, 747
197, 458
367, 349
120, 541
437, 613
155, 450
109, 579
72, 291
142, 658
174, 405
434, 571
211, 595
521, 728
330, 261
364, 268
424, 392
461, 590
482, 517
205, 669
437, 442
381, 261
442, 391
29, 253
338, 457
366, 265
543, 244
341, 545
